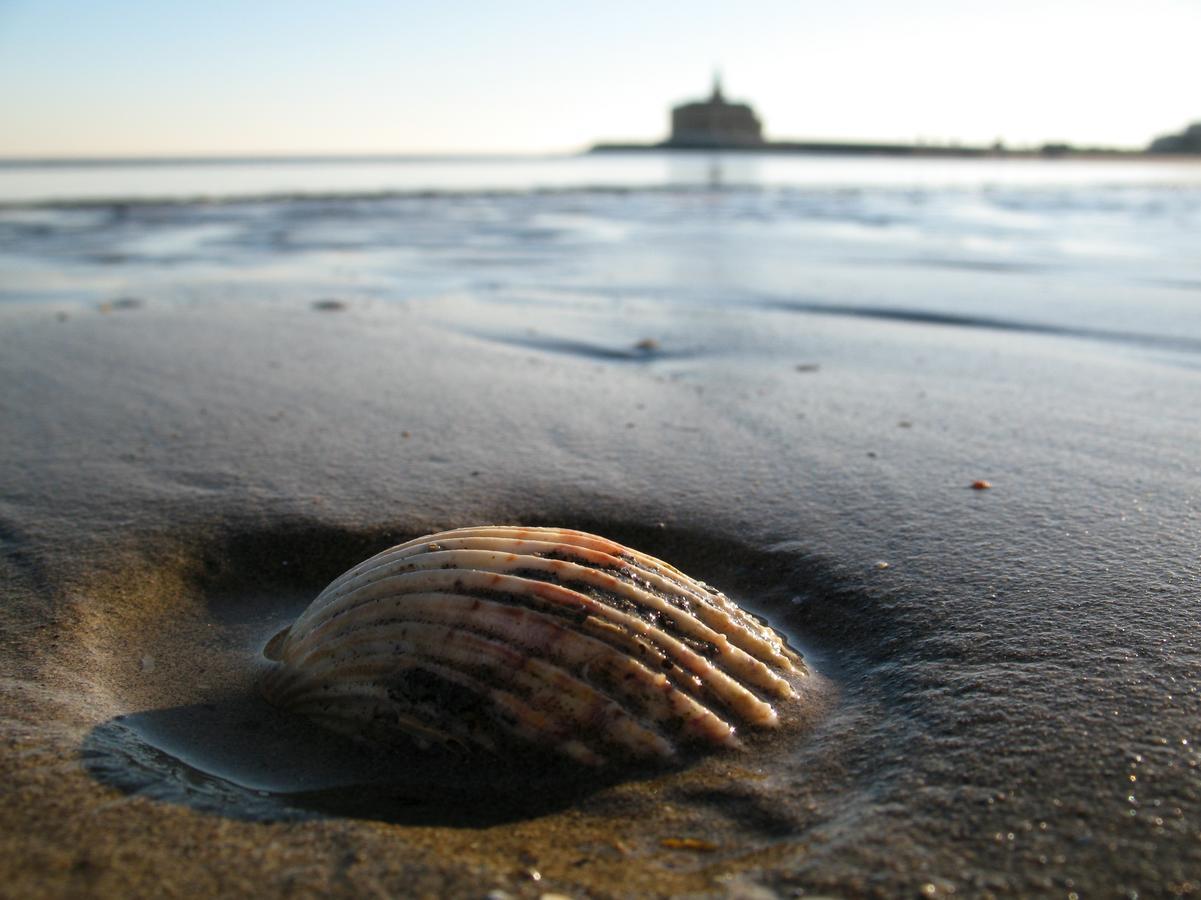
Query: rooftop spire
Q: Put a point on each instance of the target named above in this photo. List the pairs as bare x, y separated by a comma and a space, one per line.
717, 97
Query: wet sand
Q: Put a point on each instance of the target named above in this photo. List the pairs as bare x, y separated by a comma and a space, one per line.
1004, 699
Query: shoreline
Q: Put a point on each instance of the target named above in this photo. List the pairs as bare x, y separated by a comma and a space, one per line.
803, 148
902, 151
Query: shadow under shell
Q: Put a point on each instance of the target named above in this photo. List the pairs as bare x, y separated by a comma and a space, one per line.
241, 757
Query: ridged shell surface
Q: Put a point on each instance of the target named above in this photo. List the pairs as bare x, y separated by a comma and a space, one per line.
497, 636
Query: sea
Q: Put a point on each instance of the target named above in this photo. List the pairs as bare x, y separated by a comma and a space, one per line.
1099, 249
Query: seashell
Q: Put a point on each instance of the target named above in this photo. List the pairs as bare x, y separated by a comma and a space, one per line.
495, 636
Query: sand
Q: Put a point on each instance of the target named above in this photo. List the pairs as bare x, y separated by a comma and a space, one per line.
1005, 690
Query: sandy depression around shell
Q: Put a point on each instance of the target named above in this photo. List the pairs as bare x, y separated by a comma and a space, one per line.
491, 637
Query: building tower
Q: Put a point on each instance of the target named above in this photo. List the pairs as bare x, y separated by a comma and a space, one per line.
714, 123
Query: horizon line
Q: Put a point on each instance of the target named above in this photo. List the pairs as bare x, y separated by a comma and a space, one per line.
300, 157
216, 157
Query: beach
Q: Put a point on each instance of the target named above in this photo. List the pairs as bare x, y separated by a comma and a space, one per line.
786, 388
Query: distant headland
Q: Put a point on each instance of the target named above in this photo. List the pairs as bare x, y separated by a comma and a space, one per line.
719, 124
1188, 141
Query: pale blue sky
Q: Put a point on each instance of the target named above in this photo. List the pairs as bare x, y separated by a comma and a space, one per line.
136, 77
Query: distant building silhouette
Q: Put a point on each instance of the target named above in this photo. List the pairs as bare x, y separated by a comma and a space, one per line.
714, 123
718, 124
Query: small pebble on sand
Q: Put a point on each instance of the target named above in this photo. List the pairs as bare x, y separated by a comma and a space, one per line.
698, 845
120, 303
329, 305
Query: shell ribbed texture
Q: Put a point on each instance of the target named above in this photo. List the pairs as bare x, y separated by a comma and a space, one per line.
483, 636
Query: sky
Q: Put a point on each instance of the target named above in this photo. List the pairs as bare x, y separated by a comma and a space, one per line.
178, 77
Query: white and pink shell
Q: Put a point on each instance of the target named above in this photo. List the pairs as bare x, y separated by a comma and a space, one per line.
497, 636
